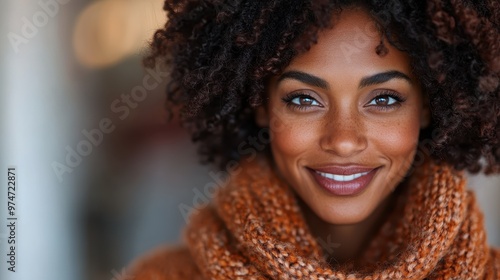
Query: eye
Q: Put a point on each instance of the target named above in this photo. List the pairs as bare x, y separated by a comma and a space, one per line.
300, 100
383, 100
386, 100
304, 100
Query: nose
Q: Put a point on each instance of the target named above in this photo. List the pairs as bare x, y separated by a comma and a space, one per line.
343, 136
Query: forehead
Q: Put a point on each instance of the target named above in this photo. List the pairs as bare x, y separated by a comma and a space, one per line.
350, 46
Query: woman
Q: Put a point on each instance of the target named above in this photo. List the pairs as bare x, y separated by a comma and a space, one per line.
345, 127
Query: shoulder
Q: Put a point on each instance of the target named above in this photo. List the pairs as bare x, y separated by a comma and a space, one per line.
170, 263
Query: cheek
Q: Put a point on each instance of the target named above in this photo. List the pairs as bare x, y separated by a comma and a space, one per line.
291, 136
398, 139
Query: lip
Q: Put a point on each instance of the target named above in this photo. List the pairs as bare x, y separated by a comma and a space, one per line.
344, 188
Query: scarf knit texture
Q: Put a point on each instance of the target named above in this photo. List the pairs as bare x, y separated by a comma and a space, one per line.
254, 229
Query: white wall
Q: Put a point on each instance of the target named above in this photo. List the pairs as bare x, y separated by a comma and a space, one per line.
38, 119
487, 189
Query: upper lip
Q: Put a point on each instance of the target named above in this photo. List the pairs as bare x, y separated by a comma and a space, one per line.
343, 169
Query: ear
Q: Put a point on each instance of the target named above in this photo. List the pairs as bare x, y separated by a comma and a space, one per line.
261, 116
425, 116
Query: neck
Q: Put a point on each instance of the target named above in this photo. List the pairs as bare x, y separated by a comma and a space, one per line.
342, 243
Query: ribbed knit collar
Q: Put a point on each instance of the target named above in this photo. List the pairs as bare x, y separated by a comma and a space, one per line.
254, 230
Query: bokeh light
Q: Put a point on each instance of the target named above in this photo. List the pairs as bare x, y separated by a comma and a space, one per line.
108, 31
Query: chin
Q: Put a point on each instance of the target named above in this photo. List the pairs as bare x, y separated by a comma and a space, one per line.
343, 210
343, 216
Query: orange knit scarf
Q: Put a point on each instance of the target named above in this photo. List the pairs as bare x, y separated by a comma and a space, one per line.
255, 230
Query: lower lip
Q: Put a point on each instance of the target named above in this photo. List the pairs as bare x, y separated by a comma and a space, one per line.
348, 188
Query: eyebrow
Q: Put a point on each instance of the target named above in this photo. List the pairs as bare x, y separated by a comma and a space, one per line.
383, 77
315, 81
305, 78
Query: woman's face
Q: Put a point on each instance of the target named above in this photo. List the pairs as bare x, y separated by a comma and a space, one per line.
344, 121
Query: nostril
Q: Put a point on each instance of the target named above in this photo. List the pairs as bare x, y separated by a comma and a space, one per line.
343, 142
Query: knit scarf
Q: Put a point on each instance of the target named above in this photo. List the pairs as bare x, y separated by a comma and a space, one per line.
254, 229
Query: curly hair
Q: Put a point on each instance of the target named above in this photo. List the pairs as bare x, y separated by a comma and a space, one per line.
221, 53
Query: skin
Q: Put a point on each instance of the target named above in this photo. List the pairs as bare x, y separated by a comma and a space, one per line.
341, 122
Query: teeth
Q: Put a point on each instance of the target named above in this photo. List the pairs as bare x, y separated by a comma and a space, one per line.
342, 178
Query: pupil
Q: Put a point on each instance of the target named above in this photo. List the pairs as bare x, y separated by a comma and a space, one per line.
382, 100
306, 101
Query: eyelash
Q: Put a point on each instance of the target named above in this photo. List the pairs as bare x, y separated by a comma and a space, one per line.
386, 93
291, 96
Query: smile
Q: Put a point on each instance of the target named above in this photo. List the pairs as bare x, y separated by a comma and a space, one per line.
342, 178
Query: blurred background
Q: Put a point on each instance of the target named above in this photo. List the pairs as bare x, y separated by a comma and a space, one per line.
101, 176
